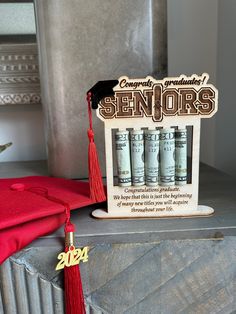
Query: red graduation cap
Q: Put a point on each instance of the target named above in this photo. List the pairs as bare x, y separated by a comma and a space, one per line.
31, 207
34, 206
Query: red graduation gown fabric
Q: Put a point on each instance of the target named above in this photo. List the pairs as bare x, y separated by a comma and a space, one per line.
26, 215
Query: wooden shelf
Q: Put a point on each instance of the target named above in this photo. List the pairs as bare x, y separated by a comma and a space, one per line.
216, 190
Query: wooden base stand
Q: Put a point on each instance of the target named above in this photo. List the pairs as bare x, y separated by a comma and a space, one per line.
201, 211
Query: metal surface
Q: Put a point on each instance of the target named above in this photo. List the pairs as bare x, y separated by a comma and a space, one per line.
69, 239
80, 43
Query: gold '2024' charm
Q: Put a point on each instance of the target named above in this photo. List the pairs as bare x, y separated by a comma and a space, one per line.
72, 257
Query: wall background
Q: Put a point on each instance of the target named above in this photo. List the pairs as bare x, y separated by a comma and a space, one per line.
17, 18
200, 39
225, 139
22, 125
192, 48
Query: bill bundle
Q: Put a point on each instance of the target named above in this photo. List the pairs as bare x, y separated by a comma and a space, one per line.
152, 157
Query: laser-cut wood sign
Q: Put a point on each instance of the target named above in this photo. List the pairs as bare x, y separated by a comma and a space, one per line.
150, 128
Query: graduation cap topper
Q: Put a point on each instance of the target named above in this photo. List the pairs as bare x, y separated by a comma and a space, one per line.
100, 90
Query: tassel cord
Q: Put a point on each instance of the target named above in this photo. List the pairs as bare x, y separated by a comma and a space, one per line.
44, 193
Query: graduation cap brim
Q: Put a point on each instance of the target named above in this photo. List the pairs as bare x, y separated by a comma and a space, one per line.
100, 90
16, 238
26, 215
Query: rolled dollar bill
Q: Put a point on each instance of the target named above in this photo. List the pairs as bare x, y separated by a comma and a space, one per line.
137, 157
123, 158
167, 156
181, 157
151, 157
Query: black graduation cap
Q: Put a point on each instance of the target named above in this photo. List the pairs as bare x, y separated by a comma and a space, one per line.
100, 90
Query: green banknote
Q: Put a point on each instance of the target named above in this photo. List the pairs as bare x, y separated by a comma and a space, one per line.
123, 158
180, 156
152, 157
167, 156
137, 157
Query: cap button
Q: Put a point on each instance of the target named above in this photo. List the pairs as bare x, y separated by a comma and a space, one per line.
18, 187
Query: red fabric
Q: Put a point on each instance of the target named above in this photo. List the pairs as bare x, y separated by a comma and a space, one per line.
97, 192
25, 215
74, 297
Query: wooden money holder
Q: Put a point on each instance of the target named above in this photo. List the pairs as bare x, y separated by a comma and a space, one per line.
148, 103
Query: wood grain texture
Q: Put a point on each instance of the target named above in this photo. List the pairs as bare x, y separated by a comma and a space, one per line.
168, 277
137, 267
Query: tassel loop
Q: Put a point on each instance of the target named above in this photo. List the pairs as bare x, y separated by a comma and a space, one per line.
90, 135
69, 227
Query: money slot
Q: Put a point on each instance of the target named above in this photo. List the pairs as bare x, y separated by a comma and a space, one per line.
181, 156
189, 153
114, 157
121, 157
137, 157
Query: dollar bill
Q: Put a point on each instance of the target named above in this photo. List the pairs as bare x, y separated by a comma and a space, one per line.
137, 157
181, 157
167, 156
123, 158
151, 157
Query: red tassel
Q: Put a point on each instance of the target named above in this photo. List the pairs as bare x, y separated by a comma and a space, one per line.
97, 193
74, 298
